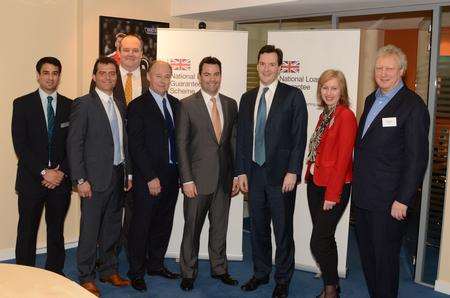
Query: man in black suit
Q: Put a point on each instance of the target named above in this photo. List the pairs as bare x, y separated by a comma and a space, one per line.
151, 131
391, 155
98, 157
39, 127
271, 142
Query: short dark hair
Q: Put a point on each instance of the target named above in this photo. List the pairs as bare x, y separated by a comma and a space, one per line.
271, 49
48, 60
209, 60
104, 60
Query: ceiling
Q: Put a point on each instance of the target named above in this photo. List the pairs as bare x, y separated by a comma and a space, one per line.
305, 8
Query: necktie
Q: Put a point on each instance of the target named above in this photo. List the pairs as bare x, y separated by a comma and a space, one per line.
170, 132
215, 118
50, 125
114, 123
260, 143
129, 88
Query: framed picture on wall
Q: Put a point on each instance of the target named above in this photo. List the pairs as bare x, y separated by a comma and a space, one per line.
113, 29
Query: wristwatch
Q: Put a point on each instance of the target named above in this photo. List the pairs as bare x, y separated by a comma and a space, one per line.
80, 181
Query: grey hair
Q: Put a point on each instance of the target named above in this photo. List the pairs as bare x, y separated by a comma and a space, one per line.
389, 50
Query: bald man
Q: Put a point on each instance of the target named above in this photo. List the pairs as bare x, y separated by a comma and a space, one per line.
151, 128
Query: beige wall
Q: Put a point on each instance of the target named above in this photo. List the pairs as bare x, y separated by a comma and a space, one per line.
67, 29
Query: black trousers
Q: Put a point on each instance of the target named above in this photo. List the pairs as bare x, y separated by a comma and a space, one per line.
151, 225
323, 243
30, 211
379, 238
268, 204
124, 234
100, 225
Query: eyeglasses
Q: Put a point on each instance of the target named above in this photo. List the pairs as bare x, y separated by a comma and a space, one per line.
380, 69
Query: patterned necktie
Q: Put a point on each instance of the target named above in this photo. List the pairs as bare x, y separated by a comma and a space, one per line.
50, 125
260, 142
129, 88
215, 118
170, 132
114, 123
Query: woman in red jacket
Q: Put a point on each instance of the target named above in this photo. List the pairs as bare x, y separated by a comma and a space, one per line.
329, 173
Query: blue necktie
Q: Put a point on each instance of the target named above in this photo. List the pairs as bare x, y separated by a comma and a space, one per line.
115, 130
50, 125
260, 143
170, 132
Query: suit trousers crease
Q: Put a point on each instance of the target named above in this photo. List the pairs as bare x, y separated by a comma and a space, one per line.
379, 238
323, 243
30, 211
268, 204
151, 226
217, 206
100, 226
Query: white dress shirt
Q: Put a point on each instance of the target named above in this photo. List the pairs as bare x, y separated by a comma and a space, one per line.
43, 95
104, 99
269, 99
136, 81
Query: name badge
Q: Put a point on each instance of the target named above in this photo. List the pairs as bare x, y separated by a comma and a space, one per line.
65, 124
389, 122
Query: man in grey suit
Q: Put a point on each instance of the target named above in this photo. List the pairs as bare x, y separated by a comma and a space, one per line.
98, 159
205, 140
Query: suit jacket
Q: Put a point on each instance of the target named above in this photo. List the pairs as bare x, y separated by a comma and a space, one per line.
333, 165
90, 144
30, 139
201, 158
285, 133
390, 162
148, 140
119, 92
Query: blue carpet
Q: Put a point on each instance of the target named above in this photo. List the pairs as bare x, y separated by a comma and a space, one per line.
303, 284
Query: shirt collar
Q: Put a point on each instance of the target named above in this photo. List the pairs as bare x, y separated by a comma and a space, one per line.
272, 86
44, 94
388, 95
157, 96
124, 72
103, 96
207, 97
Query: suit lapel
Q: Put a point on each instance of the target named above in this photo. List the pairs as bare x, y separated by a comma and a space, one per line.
102, 111
226, 115
205, 114
276, 102
144, 81
362, 122
253, 94
37, 106
386, 111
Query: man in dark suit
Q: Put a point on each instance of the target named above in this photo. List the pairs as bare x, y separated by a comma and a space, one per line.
206, 139
151, 132
391, 155
39, 127
271, 142
98, 157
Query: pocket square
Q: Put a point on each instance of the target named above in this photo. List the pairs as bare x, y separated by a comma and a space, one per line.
65, 124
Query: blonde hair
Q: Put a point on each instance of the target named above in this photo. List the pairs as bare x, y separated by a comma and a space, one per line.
391, 50
339, 76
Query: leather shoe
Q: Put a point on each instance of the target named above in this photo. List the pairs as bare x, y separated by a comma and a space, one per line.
116, 280
139, 284
226, 279
91, 287
187, 284
254, 283
280, 291
164, 272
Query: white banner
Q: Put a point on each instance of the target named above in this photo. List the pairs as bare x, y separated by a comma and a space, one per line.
306, 55
184, 49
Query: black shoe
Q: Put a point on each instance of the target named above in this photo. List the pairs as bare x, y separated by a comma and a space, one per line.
164, 272
254, 283
280, 291
187, 284
226, 279
139, 284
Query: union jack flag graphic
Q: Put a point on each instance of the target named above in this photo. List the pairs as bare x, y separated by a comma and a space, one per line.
180, 64
292, 66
